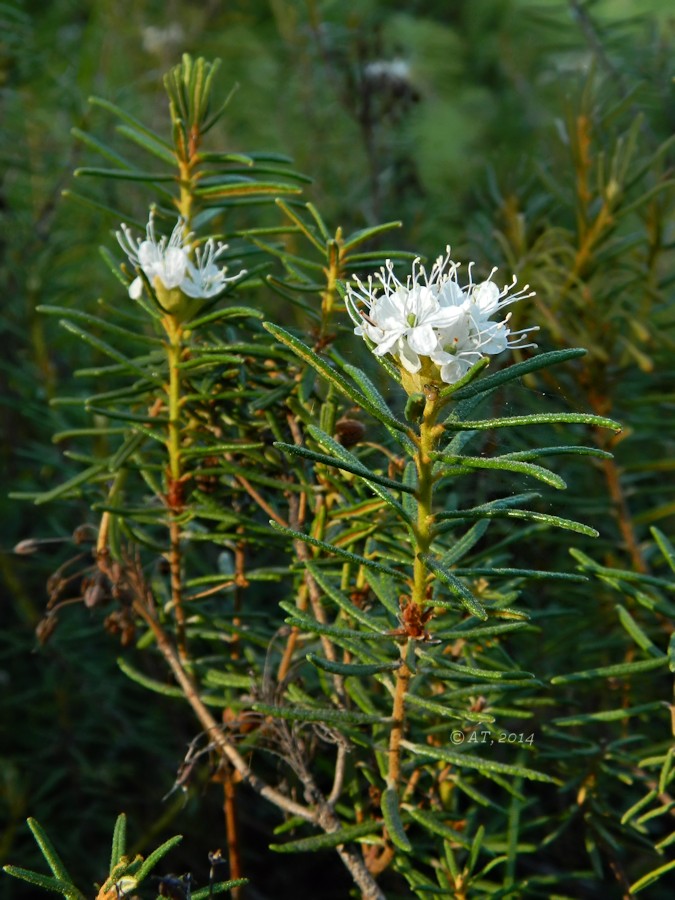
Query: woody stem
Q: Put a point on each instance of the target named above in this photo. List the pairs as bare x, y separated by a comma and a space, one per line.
428, 438
174, 334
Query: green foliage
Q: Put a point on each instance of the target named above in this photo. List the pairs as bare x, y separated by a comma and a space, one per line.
126, 874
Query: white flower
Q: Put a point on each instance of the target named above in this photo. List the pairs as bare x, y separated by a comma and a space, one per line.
169, 262
166, 260
205, 279
405, 322
432, 316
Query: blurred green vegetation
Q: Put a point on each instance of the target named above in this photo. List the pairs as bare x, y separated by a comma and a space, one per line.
479, 142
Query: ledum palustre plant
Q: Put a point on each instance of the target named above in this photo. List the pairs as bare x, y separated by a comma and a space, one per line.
288, 530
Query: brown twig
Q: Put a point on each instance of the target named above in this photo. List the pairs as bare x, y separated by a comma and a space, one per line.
260, 500
403, 675
232, 828
322, 814
213, 730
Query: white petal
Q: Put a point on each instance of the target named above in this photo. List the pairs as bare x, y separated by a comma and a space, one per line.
486, 296
387, 341
136, 288
423, 339
455, 370
446, 317
409, 359
450, 294
149, 257
174, 268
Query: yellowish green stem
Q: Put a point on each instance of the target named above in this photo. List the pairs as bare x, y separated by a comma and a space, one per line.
429, 435
174, 349
333, 272
186, 201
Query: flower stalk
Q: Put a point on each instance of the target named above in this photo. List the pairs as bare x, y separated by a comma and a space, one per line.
176, 481
414, 610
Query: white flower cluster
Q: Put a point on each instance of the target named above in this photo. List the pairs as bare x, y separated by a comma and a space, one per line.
170, 262
432, 316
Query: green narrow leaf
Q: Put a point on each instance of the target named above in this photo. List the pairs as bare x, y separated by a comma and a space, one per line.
618, 670
130, 120
445, 665
392, 819
123, 174
637, 633
98, 322
475, 849
337, 551
333, 377
325, 715
664, 777
463, 594
245, 188
463, 545
216, 678
361, 379
358, 670
639, 806
468, 761
49, 851
354, 468
311, 626
452, 390
302, 226
541, 361
150, 684
651, 877
440, 709
86, 475
431, 823
620, 574
150, 142
571, 450
336, 449
119, 841
108, 431
367, 234
155, 856
231, 312
500, 463
536, 419
45, 882
105, 348
664, 546
386, 591
127, 449
340, 599
95, 144
509, 572
328, 841
612, 715
222, 887
483, 512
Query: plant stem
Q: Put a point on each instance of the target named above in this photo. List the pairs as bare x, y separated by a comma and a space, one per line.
334, 271
232, 828
403, 676
174, 348
428, 438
